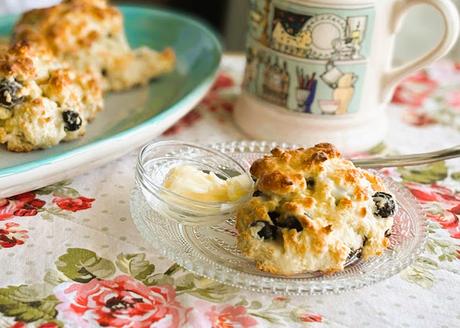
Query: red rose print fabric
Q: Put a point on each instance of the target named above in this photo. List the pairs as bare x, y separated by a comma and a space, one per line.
73, 204
442, 205
220, 316
12, 235
26, 204
121, 302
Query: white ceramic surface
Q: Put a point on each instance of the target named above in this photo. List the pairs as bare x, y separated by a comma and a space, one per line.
364, 125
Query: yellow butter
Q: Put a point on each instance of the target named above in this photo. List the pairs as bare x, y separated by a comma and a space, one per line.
190, 182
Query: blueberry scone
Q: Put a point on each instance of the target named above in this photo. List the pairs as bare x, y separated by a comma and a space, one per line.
90, 34
313, 210
43, 102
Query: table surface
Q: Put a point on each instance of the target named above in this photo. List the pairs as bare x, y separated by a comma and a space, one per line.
71, 256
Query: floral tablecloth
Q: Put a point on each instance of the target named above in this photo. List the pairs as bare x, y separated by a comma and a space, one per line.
71, 256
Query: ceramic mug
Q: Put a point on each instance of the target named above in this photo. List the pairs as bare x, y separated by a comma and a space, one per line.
320, 70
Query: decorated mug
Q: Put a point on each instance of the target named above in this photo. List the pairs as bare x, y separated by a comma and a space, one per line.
320, 70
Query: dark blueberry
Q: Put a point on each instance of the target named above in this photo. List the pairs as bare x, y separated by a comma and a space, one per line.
385, 205
8, 93
310, 183
267, 230
72, 120
355, 253
274, 216
257, 193
290, 222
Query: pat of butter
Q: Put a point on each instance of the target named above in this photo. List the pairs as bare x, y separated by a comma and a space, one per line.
192, 183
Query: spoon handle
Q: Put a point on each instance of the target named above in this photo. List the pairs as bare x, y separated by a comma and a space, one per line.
408, 160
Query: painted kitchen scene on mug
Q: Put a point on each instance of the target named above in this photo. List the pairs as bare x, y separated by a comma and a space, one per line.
259, 13
316, 87
307, 59
316, 33
311, 32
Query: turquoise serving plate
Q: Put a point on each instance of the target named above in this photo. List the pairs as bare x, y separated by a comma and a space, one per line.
130, 118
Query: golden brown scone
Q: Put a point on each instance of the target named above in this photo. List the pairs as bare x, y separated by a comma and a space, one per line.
42, 101
311, 211
89, 34
4, 44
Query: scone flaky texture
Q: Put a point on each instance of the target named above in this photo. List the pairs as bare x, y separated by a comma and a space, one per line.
312, 209
42, 101
89, 34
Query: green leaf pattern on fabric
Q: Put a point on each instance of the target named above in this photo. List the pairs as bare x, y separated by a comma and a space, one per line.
135, 265
204, 288
25, 303
279, 311
83, 265
60, 189
425, 174
455, 176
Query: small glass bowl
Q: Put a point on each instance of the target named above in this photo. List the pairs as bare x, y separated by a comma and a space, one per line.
156, 160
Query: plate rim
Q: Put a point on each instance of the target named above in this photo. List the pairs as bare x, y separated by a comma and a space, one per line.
168, 111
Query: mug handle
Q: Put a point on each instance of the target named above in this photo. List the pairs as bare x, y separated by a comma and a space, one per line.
450, 17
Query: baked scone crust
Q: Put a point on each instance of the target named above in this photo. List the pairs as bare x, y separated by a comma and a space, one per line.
36, 91
89, 34
328, 196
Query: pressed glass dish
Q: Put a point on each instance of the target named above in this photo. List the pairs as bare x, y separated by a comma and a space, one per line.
210, 250
154, 164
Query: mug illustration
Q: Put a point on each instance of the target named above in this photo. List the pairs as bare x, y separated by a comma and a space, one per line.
276, 81
250, 73
308, 59
259, 11
306, 90
288, 35
343, 89
323, 36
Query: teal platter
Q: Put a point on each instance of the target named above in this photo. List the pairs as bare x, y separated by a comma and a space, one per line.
130, 118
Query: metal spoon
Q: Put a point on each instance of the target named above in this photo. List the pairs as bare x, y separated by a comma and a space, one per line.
408, 160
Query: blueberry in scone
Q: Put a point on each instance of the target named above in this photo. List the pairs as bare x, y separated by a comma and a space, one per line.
72, 120
9, 93
89, 34
42, 101
313, 211
264, 229
384, 204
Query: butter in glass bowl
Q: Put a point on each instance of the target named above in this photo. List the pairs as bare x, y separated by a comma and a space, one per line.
192, 184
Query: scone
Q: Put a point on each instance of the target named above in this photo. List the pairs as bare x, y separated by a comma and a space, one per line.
90, 34
4, 43
312, 210
42, 101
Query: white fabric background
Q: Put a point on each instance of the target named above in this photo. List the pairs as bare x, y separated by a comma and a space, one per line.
17, 6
